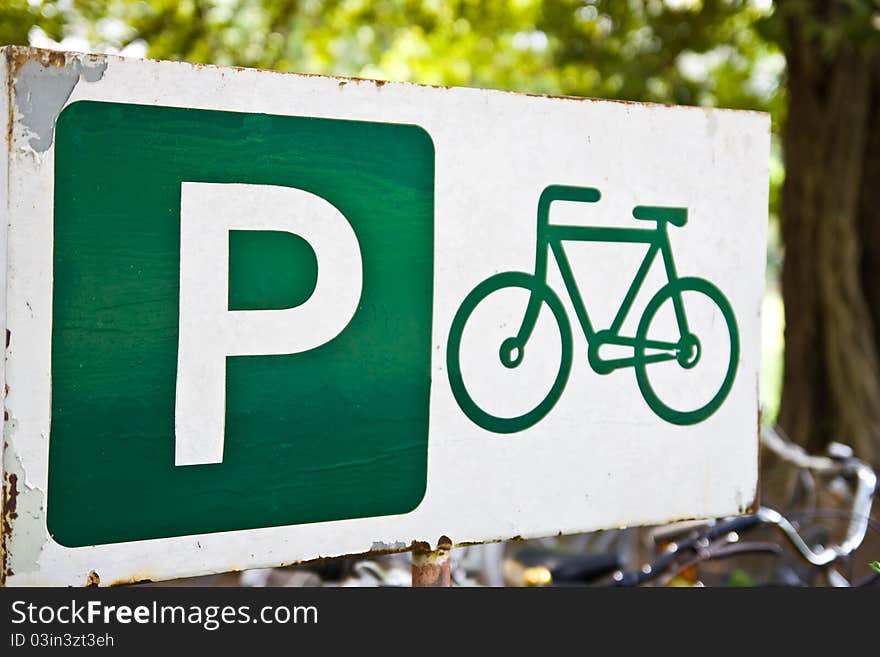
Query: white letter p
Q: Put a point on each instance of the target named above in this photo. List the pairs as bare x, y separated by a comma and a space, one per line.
209, 331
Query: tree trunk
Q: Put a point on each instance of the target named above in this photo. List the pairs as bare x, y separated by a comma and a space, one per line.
831, 272
869, 206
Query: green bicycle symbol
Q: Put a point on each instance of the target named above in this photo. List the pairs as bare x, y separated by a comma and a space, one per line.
686, 350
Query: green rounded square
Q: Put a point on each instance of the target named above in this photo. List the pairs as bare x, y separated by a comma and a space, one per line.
337, 432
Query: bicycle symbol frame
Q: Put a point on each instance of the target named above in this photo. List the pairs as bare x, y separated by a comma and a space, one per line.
687, 350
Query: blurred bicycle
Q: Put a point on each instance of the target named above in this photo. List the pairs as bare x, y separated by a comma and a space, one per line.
801, 550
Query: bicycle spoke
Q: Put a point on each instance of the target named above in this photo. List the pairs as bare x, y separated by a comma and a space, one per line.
659, 358
661, 344
626, 341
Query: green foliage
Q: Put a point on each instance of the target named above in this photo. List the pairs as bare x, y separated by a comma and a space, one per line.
18, 17
638, 48
463, 42
875, 565
694, 52
741, 579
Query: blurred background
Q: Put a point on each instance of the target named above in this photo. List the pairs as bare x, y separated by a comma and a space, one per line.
814, 65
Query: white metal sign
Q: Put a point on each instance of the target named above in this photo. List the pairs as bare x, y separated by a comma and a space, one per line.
256, 318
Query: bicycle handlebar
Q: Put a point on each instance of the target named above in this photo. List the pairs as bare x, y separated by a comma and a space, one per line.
866, 484
855, 534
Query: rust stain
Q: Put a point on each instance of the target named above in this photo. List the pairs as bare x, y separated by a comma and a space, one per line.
20, 55
136, 579
431, 569
10, 114
9, 485
443, 543
513, 539
10, 498
756, 503
8, 338
10, 502
9, 124
94, 579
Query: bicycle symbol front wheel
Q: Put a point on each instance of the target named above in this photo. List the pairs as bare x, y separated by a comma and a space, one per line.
723, 347
493, 284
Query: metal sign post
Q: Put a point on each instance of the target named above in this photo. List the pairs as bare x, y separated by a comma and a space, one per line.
257, 318
431, 568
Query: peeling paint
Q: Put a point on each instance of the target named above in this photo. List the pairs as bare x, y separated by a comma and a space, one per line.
43, 84
379, 546
756, 501
10, 122
19, 500
10, 503
129, 581
93, 579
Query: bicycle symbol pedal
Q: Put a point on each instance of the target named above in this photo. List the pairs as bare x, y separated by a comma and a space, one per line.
687, 350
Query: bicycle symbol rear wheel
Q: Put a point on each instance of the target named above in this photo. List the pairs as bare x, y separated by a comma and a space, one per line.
643, 364
478, 415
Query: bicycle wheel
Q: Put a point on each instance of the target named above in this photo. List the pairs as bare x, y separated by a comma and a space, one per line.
489, 421
726, 356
